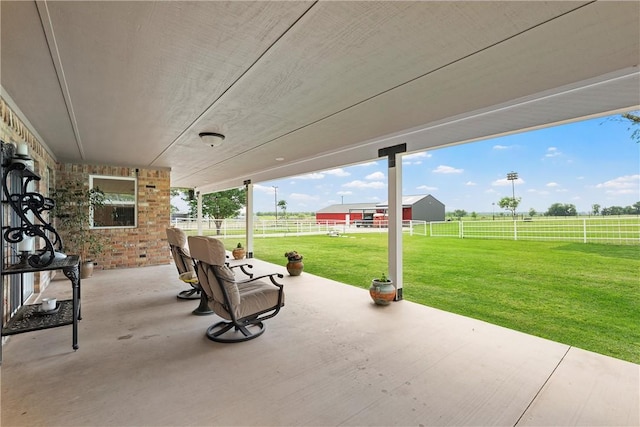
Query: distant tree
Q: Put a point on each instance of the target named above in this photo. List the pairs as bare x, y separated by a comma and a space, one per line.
221, 205
510, 204
282, 204
595, 209
616, 210
459, 213
474, 215
634, 123
532, 212
559, 209
636, 208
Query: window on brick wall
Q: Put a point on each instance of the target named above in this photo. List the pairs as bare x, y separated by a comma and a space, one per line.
120, 206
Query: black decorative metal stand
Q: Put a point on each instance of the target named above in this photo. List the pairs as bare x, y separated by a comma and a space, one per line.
29, 207
25, 203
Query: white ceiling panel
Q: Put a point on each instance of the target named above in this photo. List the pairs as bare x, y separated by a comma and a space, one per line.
320, 84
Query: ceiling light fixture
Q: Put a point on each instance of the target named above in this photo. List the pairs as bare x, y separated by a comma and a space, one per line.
211, 138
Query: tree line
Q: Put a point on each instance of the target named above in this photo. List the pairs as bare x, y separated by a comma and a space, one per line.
556, 209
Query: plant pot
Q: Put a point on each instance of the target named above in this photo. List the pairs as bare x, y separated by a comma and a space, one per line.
382, 293
295, 268
86, 269
238, 253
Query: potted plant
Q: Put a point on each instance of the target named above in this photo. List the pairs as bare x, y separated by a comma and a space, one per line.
73, 208
382, 290
238, 252
294, 264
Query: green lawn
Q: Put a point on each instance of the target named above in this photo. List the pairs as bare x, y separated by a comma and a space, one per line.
585, 295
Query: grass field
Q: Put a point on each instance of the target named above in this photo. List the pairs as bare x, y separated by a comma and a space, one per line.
584, 295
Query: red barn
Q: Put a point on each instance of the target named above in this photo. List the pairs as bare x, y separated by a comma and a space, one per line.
352, 211
419, 207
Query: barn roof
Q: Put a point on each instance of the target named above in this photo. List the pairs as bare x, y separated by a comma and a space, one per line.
347, 207
408, 200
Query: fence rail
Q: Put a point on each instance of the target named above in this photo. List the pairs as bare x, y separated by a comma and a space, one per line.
289, 227
620, 230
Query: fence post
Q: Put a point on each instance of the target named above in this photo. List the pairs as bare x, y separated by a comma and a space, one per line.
515, 230
584, 230
461, 228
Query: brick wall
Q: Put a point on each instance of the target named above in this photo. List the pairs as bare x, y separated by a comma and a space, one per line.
128, 247
145, 244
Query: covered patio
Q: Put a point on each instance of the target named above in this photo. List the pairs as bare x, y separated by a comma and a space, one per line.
331, 357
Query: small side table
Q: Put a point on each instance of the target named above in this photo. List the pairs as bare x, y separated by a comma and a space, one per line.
29, 318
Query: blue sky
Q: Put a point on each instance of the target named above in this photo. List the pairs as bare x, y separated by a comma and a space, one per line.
582, 163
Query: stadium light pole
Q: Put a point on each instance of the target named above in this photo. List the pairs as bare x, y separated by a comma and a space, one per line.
512, 176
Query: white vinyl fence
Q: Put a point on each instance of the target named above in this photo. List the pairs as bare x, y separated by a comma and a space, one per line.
619, 230
289, 227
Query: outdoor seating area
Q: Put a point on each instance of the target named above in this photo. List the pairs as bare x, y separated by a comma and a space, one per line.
330, 357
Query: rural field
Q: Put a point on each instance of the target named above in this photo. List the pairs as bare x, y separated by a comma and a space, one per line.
584, 295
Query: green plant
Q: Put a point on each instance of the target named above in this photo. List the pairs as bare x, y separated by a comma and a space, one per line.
73, 211
293, 256
383, 278
239, 245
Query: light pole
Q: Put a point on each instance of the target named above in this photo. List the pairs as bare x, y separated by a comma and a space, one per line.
493, 210
512, 176
275, 200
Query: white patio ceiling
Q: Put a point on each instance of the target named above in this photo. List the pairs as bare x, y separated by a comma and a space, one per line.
319, 84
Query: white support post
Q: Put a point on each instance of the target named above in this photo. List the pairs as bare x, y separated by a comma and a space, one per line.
395, 215
249, 217
199, 213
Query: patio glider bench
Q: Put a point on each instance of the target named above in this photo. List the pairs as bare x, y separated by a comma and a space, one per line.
244, 304
186, 272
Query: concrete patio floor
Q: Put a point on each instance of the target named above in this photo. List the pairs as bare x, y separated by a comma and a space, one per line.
331, 357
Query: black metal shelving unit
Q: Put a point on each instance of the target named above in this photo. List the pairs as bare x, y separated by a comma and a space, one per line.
28, 205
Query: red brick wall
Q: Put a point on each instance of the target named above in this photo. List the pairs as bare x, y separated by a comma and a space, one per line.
145, 244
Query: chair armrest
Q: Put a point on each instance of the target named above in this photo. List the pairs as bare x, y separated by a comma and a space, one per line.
242, 267
270, 276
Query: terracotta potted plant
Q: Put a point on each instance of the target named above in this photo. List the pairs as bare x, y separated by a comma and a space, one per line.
382, 290
238, 252
294, 264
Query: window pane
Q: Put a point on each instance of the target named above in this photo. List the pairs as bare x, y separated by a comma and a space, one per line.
119, 208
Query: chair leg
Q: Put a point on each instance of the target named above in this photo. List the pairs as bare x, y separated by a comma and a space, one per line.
192, 293
219, 332
203, 309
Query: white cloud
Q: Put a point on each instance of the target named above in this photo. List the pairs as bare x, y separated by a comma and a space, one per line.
302, 197
263, 188
364, 184
337, 172
368, 164
422, 155
553, 184
552, 152
628, 184
504, 182
314, 175
447, 169
345, 193
375, 176
426, 188
471, 183
415, 158
539, 192
500, 147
